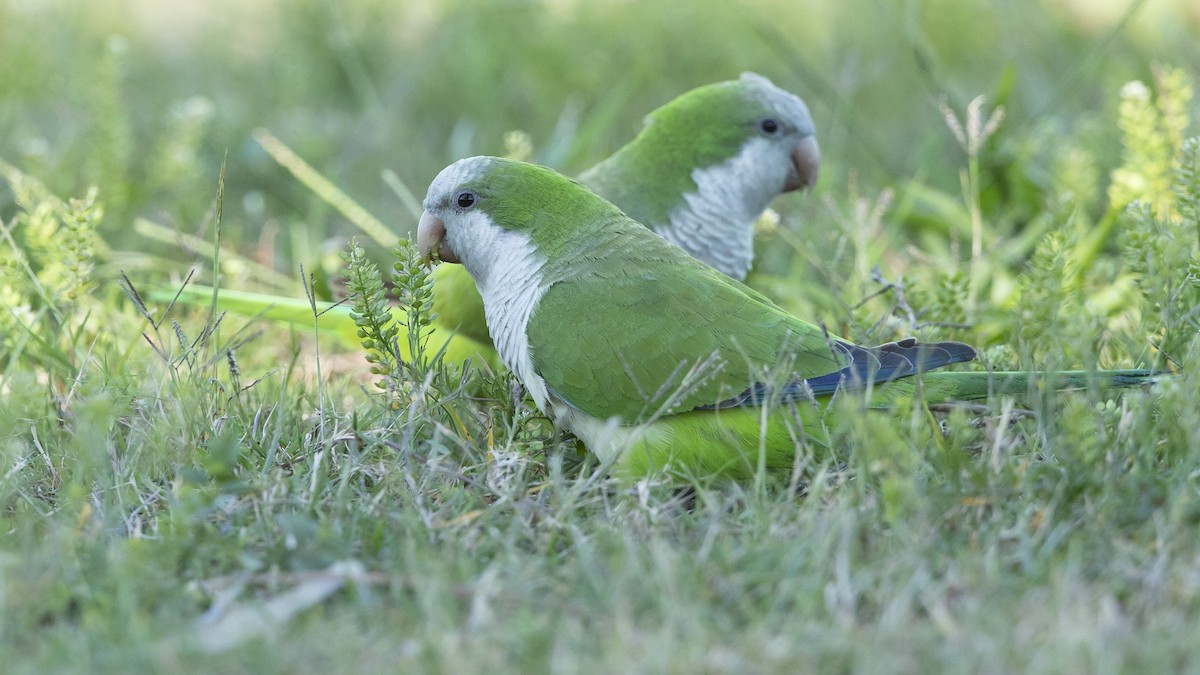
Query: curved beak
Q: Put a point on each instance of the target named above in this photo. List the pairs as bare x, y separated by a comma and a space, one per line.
431, 239
806, 164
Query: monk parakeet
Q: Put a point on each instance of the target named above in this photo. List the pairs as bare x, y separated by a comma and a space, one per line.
702, 170
650, 357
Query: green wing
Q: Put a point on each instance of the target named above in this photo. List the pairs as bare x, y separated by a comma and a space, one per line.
644, 332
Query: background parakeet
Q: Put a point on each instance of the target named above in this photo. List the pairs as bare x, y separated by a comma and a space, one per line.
650, 357
702, 170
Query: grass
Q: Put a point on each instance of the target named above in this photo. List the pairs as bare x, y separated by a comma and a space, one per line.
221, 495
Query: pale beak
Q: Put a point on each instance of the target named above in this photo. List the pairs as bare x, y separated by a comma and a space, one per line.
431, 239
806, 164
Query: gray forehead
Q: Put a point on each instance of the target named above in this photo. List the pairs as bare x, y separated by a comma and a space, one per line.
456, 174
781, 101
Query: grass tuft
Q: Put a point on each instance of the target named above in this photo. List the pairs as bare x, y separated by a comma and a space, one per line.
180, 493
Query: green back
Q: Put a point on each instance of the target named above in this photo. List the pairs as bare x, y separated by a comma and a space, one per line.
626, 315
639, 336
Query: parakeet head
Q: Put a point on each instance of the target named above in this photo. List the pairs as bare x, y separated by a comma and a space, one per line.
748, 115
479, 209
707, 164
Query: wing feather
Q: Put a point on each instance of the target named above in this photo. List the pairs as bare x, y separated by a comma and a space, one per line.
656, 336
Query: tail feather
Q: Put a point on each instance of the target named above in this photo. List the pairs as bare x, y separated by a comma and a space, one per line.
880, 365
945, 387
888, 362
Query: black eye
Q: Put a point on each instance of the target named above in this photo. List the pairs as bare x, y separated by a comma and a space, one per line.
768, 125
466, 200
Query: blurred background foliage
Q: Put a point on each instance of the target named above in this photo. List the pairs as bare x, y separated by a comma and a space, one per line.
146, 99
143, 98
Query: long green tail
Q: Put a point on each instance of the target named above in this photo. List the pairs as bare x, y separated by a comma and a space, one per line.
334, 320
944, 387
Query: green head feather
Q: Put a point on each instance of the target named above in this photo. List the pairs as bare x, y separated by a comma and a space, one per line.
702, 128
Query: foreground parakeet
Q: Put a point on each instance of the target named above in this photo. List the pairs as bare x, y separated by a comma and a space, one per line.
651, 358
700, 173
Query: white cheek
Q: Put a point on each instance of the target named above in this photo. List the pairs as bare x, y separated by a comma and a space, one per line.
508, 273
470, 235
745, 184
715, 224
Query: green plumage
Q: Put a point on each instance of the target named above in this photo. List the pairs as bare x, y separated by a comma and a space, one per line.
655, 360
625, 315
654, 316
733, 443
946, 387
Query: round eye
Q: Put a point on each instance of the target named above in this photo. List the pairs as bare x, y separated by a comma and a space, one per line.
466, 200
768, 125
